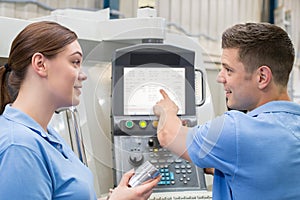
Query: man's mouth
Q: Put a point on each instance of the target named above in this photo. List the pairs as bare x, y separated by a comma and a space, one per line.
227, 92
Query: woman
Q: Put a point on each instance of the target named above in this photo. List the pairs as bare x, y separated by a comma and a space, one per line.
43, 74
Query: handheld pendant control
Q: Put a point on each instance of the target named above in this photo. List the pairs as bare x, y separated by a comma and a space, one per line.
143, 173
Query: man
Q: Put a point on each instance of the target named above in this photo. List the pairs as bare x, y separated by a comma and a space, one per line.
256, 155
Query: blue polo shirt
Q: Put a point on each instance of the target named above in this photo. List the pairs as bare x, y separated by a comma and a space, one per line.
37, 165
255, 155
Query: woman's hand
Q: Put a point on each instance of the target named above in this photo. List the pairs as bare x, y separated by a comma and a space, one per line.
141, 192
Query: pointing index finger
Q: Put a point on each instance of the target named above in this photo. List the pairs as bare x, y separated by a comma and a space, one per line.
164, 94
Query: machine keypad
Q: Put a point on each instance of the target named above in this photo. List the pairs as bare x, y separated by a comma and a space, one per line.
177, 173
172, 170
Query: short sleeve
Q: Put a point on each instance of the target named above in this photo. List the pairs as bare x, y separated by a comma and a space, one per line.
23, 175
213, 145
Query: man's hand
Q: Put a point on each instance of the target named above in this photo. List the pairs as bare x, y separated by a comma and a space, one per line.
170, 132
165, 105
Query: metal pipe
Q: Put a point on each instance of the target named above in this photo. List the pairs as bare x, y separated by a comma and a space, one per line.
78, 135
75, 133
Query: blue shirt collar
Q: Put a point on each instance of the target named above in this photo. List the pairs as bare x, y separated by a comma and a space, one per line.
17, 116
276, 106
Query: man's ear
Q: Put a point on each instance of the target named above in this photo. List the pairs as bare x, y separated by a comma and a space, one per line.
38, 64
264, 76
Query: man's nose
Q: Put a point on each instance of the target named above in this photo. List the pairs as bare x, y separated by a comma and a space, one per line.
220, 77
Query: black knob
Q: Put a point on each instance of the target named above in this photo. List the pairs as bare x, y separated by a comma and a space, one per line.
136, 159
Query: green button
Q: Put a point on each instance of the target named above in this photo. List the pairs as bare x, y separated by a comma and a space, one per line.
129, 124
143, 124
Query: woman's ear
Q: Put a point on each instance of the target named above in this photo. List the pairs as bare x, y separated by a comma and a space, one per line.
39, 65
264, 76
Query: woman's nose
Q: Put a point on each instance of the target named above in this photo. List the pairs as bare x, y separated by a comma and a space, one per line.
82, 76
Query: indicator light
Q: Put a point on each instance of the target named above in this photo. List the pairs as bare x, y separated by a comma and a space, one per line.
143, 124
129, 124
155, 123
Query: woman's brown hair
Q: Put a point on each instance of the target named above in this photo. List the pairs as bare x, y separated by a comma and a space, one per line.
48, 38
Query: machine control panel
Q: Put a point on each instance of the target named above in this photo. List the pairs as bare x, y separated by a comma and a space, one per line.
138, 73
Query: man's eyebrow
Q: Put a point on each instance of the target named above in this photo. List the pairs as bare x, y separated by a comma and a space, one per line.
224, 64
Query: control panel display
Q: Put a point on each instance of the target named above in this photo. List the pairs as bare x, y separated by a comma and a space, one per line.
142, 85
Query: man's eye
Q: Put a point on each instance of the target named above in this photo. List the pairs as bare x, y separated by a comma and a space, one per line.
228, 70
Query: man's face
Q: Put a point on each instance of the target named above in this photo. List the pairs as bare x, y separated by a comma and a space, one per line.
239, 85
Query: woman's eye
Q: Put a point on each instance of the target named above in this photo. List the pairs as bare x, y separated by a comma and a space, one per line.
76, 63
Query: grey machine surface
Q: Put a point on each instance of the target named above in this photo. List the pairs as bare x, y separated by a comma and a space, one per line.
138, 72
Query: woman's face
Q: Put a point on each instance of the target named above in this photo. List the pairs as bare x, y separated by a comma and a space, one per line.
65, 76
